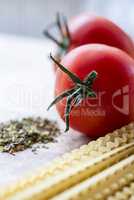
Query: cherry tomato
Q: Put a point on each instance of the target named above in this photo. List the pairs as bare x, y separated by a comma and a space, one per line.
87, 29
106, 101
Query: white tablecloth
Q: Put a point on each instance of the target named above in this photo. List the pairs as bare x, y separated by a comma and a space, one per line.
26, 88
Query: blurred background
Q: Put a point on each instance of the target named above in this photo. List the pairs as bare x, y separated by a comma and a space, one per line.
29, 17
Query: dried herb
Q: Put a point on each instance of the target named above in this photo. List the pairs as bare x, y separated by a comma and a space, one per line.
19, 135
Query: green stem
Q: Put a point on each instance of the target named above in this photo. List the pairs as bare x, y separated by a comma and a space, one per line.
62, 25
74, 78
60, 97
69, 107
59, 25
80, 91
48, 35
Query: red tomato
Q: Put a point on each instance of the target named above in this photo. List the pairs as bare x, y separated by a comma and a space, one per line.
113, 106
88, 29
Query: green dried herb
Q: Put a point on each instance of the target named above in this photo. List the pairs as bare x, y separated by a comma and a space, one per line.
19, 135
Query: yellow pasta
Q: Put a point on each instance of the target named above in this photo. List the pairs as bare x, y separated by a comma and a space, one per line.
75, 167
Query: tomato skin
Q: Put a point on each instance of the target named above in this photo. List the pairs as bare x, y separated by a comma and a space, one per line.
91, 29
115, 71
88, 28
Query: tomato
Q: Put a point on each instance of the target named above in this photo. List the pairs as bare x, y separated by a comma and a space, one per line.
113, 84
87, 29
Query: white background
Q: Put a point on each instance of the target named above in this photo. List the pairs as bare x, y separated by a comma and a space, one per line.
29, 17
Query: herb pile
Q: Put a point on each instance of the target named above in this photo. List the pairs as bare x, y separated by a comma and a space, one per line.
19, 135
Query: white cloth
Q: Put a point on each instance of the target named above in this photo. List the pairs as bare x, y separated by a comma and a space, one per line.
26, 89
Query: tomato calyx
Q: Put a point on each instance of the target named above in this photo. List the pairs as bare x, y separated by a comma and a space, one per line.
62, 26
80, 91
